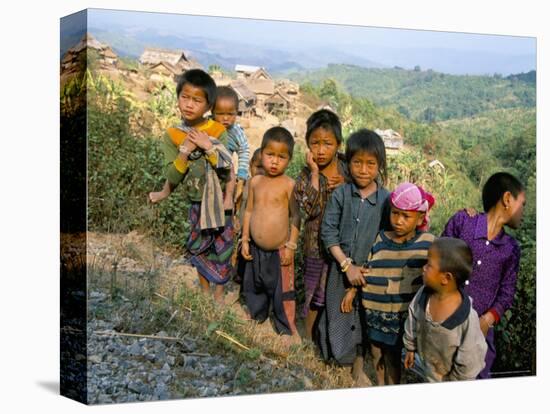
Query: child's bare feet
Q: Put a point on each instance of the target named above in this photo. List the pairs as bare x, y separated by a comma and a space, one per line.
218, 295
155, 197
358, 374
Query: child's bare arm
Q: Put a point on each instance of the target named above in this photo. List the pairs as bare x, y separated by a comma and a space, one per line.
314, 168
409, 336
292, 243
347, 302
245, 246
158, 196
229, 190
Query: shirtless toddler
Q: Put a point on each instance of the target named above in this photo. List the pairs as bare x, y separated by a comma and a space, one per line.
270, 235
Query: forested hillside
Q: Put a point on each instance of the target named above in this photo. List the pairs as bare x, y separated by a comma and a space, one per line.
428, 96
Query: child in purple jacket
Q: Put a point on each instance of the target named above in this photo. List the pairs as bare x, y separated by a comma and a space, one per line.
496, 254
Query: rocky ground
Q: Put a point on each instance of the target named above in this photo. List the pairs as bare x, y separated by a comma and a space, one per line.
130, 361
151, 335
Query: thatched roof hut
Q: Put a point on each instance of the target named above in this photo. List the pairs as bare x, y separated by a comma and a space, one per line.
260, 73
278, 103
74, 57
178, 58
392, 139
164, 68
265, 87
247, 98
244, 71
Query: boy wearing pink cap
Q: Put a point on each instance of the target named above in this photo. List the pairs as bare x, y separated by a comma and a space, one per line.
393, 277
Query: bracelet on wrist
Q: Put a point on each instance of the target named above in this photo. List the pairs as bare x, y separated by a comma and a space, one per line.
184, 150
345, 264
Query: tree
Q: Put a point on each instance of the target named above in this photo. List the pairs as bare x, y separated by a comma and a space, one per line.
429, 114
329, 91
214, 68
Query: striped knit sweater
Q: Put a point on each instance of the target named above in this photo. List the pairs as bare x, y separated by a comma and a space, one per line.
395, 272
237, 142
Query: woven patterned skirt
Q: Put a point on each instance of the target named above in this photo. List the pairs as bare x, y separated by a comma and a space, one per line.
211, 249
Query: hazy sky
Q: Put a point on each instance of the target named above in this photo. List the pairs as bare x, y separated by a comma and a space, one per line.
297, 35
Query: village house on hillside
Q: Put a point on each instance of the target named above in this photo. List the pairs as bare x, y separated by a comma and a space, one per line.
178, 61
244, 71
393, 141
77, 55
260, 74
276, 98
247, 98
165, 69
278, 104
259, 81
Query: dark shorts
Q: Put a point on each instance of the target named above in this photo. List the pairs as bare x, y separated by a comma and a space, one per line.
268, 285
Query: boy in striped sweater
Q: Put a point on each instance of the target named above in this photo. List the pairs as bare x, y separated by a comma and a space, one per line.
393, 275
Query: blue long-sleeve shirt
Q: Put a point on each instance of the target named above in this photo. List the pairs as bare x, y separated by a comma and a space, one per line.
237, 142
352, 222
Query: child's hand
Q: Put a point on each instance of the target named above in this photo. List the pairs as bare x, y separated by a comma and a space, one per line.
155, 197
287, 256
409, 360
200, 139
245, 250
311, 162
355, 276
347, 303
485, 322
187, 147
470, 211
335, 181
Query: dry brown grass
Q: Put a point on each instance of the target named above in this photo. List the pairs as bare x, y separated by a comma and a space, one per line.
142, 275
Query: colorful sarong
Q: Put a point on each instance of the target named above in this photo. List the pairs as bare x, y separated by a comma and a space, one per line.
315, 281
211, 249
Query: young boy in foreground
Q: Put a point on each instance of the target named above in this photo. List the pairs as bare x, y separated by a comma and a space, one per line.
270, 235
442, 326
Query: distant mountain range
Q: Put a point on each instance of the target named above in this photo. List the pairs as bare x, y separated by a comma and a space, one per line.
224, 53
131, 41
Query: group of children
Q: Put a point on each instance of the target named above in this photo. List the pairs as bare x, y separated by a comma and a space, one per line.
376, 282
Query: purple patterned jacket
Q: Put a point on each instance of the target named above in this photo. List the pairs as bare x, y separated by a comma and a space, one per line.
492, 283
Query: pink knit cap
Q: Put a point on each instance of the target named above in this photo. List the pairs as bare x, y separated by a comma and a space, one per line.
410, 197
